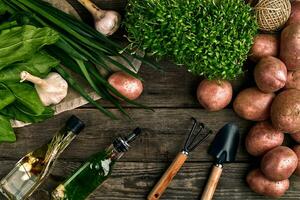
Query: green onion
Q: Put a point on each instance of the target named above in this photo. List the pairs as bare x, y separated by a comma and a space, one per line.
80, 49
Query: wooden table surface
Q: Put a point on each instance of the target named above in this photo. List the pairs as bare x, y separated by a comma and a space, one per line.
172, 95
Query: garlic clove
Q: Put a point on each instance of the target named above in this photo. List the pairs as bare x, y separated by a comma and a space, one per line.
51, 90
109, 23
55, 91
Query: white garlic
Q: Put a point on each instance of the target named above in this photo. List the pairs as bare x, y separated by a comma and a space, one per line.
107, 22
51, 90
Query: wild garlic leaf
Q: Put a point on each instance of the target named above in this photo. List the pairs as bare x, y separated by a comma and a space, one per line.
27, 98
20, 43
13, 112
6, 131
40, 64
6, 96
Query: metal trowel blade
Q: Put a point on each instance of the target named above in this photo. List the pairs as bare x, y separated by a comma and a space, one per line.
225, 145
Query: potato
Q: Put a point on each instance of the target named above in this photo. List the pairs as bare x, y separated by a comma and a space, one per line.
264, 45
293, 80
252, 104
290, 46
262, 137
126, 85
270, 74
285, 111
279, 163
214, 95
261, 185
297, 151
296, 137
295, 13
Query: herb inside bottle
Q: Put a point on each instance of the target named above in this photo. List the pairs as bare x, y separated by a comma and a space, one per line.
94, 172
33, 169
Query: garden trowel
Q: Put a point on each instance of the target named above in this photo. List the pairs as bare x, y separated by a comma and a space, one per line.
224, 149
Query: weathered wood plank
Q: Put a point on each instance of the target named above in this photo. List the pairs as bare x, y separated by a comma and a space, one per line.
134, 180
175, 87
164, 133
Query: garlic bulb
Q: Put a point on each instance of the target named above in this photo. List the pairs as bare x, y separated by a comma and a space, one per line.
107, 22
51, 90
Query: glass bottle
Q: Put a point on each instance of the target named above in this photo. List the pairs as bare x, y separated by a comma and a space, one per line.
94, 172
34, 167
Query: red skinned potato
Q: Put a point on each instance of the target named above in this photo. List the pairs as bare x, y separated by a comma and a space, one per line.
264, 45
285, 111
214, 95
293, 80
290, 47
297, 151
252, 104
261, 185
295, 13
296, 137
127, 85
279, 163
262, 137
270, 74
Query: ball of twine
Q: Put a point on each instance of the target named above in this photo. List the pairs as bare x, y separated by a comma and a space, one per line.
272, 14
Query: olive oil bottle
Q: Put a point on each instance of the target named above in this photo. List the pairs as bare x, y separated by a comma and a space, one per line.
33, 169
93, 172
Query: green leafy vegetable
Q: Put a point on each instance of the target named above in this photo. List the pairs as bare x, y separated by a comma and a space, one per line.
20, 51
20, 43
80, 44
6, 131
27, 98
40, 64
27, 106
6, 96
13, 112
211, 37
3, 8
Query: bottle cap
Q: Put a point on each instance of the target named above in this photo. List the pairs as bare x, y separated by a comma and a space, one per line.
122, 144
75, 125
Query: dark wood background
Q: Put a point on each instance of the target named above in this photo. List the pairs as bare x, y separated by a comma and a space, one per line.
172, 95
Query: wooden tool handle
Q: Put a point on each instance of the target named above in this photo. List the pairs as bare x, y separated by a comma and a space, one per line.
212, 182
165, 180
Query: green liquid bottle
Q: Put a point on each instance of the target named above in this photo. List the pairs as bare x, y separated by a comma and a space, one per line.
94, 172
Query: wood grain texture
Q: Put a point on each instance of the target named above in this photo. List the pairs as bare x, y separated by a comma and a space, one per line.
212, 183
172, 95
164, 132
175, 87
163, 183
133, 181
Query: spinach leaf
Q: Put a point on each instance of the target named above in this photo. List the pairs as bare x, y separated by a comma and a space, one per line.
27, 98
40, 64
20, 43
13, 112
6, 96
6, 131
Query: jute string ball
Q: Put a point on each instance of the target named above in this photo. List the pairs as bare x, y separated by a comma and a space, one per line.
272, 14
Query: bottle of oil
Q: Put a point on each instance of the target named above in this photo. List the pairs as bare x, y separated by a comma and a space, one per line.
33, 168
93, 172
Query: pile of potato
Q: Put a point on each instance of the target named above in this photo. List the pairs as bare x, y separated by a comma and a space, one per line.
275, 105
